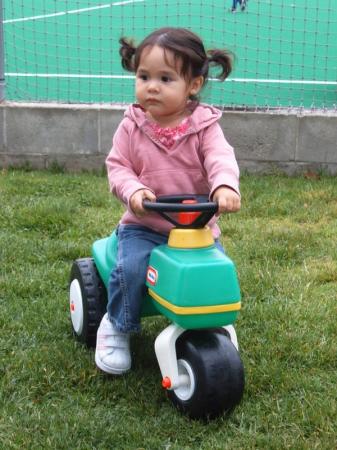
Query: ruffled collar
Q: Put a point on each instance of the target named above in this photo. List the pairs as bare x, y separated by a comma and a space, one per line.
167, 136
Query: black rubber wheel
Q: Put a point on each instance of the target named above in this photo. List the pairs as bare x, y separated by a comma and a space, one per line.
215, 373
88, 299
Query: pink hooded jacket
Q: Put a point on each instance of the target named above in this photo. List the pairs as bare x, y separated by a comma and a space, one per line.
198, 163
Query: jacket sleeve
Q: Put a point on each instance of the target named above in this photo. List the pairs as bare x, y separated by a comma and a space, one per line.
219, 160
122, 177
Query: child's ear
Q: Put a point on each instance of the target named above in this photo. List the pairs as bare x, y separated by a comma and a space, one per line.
196, 85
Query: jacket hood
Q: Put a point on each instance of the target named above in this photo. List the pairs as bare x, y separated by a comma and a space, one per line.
202, 115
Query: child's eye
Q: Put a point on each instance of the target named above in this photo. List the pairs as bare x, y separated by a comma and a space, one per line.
165, 79
143, 77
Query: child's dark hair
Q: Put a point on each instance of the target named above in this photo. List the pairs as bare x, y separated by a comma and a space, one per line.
185, 46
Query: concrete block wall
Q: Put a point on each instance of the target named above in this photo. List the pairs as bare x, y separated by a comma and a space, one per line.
78, 137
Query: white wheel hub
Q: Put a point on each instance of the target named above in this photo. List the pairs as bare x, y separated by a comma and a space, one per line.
76, 306
186, 380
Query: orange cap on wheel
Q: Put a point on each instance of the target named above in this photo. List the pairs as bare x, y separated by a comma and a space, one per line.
166, 383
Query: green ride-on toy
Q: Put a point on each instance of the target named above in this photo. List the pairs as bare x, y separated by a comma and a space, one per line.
192, 283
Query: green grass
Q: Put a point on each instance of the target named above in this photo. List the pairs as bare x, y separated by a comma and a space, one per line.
51, 395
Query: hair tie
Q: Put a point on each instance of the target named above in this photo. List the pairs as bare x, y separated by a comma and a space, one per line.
205, 66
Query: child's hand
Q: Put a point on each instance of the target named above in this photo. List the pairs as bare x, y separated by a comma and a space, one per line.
227, 199
136, 201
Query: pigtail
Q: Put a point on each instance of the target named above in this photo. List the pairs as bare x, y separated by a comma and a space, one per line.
127, 52
221, 58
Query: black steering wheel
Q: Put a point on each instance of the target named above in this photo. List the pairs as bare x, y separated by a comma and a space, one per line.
174, 204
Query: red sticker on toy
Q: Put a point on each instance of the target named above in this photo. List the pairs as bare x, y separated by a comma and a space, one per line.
151, 275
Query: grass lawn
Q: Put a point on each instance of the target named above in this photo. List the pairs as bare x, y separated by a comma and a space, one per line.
284, 243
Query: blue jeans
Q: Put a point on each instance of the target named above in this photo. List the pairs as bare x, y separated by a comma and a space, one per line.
127, 280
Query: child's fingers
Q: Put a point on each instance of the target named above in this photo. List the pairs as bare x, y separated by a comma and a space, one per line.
144, 194
148, 195
228, 204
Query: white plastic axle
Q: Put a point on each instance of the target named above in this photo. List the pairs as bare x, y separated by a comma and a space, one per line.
165, 348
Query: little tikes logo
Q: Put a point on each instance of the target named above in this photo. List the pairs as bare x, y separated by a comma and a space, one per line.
151, 275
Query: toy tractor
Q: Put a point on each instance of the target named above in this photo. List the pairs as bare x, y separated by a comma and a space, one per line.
192, 283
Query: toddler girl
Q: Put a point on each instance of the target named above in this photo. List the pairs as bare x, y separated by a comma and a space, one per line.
168, 143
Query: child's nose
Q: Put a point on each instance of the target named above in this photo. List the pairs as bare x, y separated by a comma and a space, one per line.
153, 86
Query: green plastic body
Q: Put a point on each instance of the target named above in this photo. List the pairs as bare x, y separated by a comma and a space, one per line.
201, 277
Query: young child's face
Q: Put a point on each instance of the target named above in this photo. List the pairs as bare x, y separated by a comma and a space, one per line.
161, 89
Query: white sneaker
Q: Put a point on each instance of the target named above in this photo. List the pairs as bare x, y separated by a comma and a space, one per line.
112, 348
